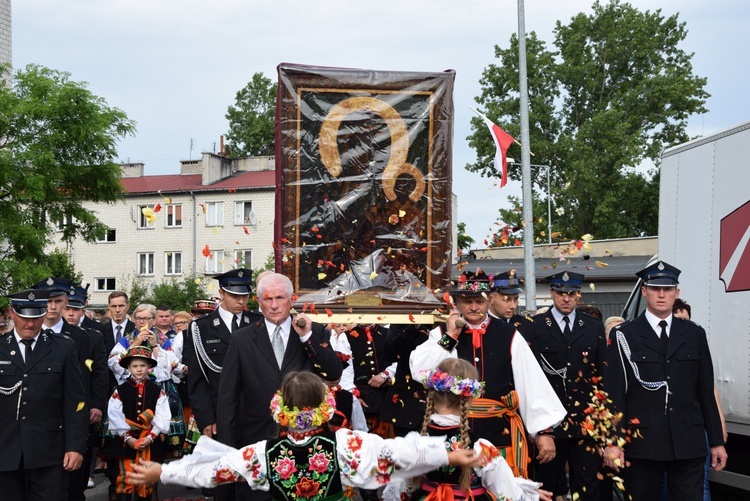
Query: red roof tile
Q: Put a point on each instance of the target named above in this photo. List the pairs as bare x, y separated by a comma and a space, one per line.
192, 182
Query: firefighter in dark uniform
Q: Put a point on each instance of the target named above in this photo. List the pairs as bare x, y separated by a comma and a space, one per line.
570, 346
44, 419
504, 293
206, 342
405, 403
660, 377
75, 315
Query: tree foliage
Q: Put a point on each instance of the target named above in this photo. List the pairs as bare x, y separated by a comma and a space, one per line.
178, 295
464, 240
57, 149
252, 119
616, 90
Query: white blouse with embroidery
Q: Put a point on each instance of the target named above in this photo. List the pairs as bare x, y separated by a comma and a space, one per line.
365, 460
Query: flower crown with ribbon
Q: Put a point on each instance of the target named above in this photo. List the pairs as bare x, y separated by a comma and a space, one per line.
440, 380
305, 418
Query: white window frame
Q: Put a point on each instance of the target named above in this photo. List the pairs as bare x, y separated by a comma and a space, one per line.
170, 218
170, 268
63, 222
105, 281
241, 263
143, 223
215, 262
106, 239
242, 213
214, 213
146, 264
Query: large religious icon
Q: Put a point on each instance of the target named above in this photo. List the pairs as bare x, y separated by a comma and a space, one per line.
363, 166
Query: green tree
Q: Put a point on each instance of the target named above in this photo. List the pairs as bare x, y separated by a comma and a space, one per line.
178, 295
252, 119
464, 241
57, 149
617, 90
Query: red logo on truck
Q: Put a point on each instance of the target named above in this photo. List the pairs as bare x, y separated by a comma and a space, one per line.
734, 251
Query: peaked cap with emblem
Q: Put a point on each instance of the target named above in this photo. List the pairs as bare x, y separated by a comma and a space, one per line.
57, 286
30, 303
135, 352
79, 297
565, 281
238, 281
471, 284
660, 274
506, 283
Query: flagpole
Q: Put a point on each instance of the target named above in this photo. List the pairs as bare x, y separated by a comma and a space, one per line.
528, 216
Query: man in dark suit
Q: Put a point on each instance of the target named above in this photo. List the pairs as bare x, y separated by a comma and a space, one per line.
43, 413
117, 327
258, 358
504, 293
75, 315
660, 377
570, 347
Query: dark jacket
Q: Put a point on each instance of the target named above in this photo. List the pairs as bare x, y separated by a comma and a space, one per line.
571, 366
674, 427
251, 376
46, 415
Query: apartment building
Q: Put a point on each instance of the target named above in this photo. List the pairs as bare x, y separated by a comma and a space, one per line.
216, 214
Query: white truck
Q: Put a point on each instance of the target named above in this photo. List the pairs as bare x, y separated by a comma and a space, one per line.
704, 230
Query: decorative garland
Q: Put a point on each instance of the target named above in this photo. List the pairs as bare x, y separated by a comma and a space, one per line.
440, 380
305, 418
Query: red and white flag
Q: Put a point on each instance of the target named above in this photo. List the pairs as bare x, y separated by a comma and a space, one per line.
503, 140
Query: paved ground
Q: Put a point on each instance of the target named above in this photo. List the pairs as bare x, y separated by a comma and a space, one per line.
166, 492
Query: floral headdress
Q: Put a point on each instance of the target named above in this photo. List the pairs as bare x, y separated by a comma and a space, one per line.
305, 418
440, 380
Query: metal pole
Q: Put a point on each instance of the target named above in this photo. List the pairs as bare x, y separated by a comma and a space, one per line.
549, 207
528, 216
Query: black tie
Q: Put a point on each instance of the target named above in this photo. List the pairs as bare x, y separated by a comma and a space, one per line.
566, 331
28, 343
235, 323
663, 336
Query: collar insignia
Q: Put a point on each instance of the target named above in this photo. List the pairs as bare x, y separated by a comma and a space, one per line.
216, 322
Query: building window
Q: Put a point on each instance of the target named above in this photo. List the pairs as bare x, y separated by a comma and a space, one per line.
104, 284
174, 215
215, 262
143, 221
243, 213
173, 264
146, 263
243, 259
109, 236
215, 214
64, 222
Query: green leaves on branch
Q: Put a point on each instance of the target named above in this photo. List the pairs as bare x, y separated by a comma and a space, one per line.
613, 93
252, 119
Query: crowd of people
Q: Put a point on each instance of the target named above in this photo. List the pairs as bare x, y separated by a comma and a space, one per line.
554, 403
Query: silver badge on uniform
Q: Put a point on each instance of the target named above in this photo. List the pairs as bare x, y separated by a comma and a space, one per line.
216, 322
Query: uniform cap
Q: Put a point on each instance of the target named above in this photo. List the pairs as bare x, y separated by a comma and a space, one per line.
506, 283
238, 281
565, 281
57, 286
660, 274
30, 303
79, 297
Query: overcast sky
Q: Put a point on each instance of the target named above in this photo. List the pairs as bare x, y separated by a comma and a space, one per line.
174, 66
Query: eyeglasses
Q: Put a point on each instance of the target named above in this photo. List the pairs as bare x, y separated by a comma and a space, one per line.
143, 319
180, 322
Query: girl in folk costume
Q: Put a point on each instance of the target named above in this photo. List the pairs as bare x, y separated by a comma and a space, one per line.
307, 461
138, 418
451, 389
167, 365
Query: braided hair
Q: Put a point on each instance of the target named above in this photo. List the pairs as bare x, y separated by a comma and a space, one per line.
462, 369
